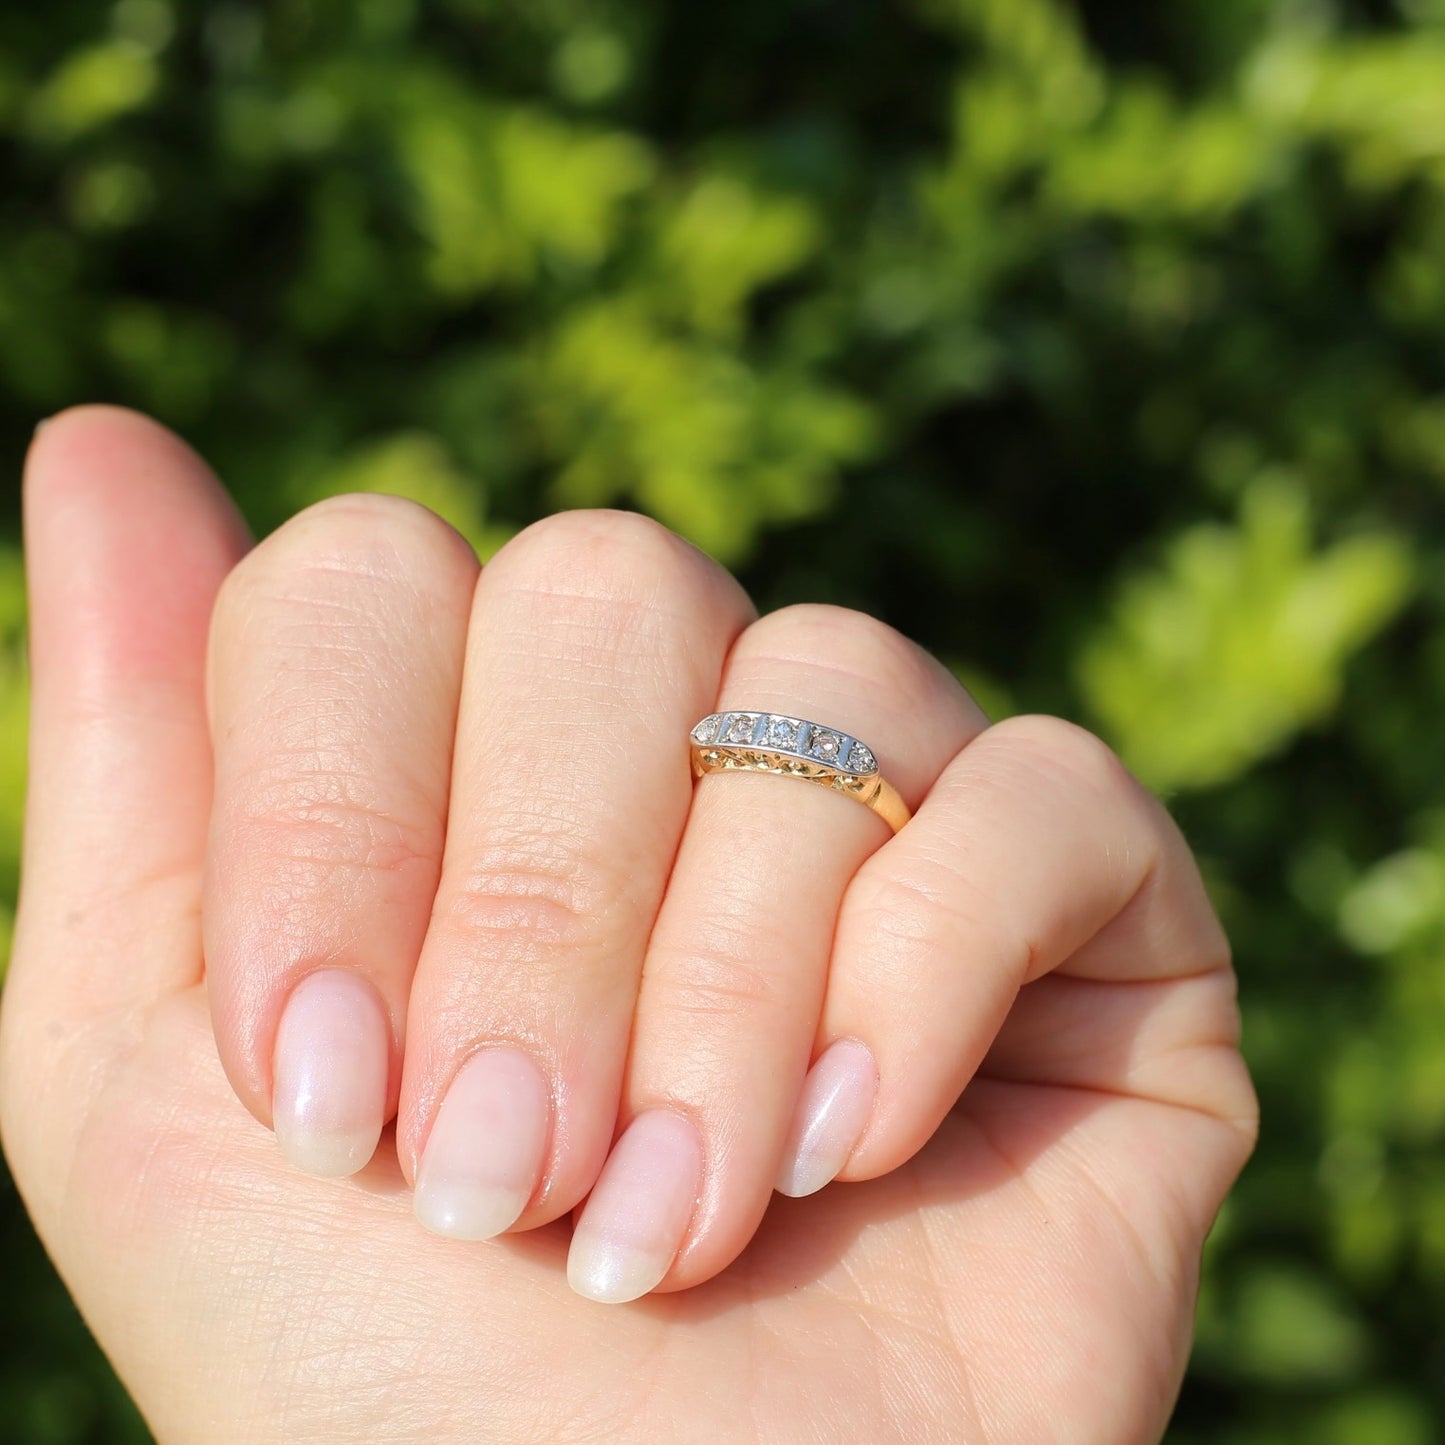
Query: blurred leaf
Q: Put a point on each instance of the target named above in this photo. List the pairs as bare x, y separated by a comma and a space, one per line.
1396, 903
722, 241
1373, 1418
92, 88
418, 467
502, 192
702, 441
1239, 641
1290, 1326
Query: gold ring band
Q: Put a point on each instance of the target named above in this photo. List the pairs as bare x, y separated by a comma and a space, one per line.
768, 742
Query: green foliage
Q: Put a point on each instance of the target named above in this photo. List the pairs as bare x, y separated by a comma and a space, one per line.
90, 88
1213, 663
414, 465
1098, 347
500, 195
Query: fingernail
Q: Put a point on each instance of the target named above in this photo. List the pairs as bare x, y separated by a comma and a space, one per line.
638, 1211
832, 1114
484, 1153
332, 1054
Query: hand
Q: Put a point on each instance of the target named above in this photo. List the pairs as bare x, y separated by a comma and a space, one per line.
1037, 932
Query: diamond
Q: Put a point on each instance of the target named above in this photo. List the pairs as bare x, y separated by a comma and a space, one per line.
740, 729
782, 733
706, 730
860, 760
825, 745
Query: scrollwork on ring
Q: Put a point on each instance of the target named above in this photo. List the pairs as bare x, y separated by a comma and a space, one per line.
754, 741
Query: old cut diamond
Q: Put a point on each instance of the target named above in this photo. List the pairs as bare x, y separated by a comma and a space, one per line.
826, 745
782, 733
740, 729
860, 760
706, 731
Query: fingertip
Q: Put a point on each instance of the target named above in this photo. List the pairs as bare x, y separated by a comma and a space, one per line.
99, 454
128, 535
57, 434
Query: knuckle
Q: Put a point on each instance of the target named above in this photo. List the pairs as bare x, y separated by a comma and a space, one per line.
524, 909
601, 529
355, 521
939, 912
722, 973
719, 992
319, 828
341, 541
1242, 1109
814, 629
804, 632
1063, 748
1216, 955
308, 612
607, 556
1217, 1017
899, 909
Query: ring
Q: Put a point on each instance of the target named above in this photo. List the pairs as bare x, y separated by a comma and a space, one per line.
792, 747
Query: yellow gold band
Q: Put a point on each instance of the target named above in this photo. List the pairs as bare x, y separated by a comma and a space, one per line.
791, 747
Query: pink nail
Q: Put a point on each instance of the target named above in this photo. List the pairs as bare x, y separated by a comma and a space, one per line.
484, 1153
832, 1114
332, 1055
639, 1209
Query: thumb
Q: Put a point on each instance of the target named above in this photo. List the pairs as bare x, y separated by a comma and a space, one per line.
128, 537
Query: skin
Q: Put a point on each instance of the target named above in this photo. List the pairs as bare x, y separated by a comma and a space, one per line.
231, 786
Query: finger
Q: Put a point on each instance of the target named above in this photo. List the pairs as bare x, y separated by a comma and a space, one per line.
336, 660
128, 537
1036, 851
735, 971
597, 638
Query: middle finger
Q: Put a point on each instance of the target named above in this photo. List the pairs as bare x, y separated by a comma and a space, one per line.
593, 635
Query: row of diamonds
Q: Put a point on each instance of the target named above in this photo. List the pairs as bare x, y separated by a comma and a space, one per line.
785, 735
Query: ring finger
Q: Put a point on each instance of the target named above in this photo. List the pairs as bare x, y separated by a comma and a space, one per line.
736, 968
